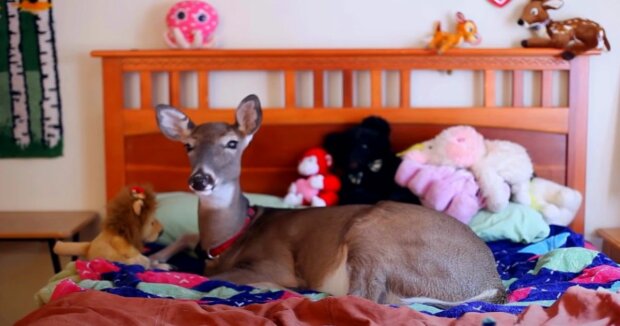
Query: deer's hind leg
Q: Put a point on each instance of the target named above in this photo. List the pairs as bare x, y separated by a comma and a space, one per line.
587, 39
368, 284
537, 42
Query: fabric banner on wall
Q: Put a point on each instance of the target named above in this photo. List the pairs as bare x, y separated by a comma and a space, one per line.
30, 107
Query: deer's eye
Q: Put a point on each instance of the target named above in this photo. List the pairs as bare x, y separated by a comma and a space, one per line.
534, 12
232, 144
188, 147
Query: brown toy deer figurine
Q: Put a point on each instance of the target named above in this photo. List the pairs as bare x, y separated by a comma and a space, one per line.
466, 31
390, 252
575, 36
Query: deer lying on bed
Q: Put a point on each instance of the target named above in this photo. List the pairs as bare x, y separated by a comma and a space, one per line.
390, 253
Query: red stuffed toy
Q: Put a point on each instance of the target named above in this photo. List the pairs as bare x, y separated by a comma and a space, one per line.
318, 187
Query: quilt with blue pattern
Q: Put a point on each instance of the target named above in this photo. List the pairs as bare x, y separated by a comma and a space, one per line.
537, 273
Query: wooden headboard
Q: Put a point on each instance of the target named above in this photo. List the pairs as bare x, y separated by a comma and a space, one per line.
555, 136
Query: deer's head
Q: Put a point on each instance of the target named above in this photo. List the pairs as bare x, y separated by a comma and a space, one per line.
214, 149
535, 13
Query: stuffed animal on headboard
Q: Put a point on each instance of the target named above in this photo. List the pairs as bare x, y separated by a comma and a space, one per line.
575, 36
191, 25
366, 164
466, 31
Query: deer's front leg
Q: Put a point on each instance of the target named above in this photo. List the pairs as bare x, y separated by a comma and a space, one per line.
187, 241
258, 277
537, 42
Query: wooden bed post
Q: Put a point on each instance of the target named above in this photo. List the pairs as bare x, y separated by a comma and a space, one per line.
578, 133
113, 125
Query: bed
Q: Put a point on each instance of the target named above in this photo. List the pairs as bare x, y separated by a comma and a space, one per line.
553, 131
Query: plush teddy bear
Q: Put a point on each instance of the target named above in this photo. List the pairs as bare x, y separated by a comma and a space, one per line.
494, 163
558, 204
317, 187
442, 188
366, 164
191, 25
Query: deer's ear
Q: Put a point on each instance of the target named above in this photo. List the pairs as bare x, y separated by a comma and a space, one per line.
553, 4
460, 17
173, 123
249, 115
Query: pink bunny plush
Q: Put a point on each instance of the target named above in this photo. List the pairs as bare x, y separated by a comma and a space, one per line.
191, 25
501, 168
443, 188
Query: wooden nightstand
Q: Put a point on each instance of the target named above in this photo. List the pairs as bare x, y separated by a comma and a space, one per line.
611, 242
44, 226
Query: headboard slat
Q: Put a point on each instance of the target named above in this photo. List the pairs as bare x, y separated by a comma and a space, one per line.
489, 88
319, 93
203, 89
547, 88
517, 88
347, 88
376, 88
290, 89
175, 88
405, 88
146, 87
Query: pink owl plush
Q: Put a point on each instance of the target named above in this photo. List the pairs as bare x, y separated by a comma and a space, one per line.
191, 25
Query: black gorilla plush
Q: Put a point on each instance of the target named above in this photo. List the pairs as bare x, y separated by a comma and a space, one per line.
366, 164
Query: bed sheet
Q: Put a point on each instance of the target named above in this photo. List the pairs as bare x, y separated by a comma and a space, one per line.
537, 273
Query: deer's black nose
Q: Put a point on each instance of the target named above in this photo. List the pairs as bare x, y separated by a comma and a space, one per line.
200, 182
520, 22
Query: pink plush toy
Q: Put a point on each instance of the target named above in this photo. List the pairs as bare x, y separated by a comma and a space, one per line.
191, 25
318, 187
442, 188
501, 167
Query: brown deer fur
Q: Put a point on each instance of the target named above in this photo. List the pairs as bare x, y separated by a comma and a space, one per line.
384, 252
575, 36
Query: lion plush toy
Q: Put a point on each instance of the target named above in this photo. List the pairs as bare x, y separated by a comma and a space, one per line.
129, 223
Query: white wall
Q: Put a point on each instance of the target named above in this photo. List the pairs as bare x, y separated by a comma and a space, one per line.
76, 181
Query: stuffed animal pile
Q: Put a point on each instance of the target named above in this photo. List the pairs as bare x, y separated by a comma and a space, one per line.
460, 172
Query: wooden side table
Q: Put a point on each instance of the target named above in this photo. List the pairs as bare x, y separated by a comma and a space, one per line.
44, 226
611, 242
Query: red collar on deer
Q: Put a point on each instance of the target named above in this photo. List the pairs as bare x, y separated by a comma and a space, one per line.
215, 252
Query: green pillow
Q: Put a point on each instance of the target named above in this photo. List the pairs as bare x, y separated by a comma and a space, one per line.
178, 212
518, 223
